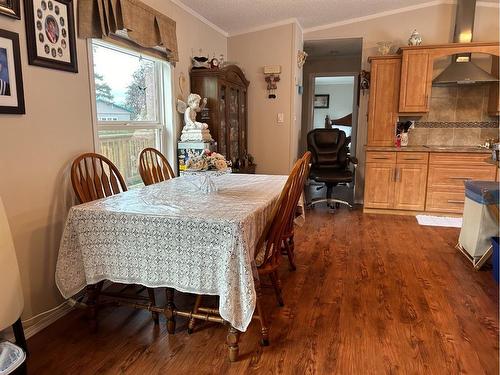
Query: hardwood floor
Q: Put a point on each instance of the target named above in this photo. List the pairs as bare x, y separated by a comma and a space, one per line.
372, 294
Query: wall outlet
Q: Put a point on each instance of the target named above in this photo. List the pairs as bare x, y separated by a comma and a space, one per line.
280, 118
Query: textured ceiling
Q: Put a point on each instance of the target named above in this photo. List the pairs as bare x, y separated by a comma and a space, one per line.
235, 16
328, 48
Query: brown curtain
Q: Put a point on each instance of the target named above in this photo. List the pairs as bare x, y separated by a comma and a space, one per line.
146, 29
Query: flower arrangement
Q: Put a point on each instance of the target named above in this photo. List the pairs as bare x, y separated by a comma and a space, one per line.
208, 161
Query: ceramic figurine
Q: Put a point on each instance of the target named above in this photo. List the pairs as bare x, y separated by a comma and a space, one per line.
415, 39
193, 130
384, 47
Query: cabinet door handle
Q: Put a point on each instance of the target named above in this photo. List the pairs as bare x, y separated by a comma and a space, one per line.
398, 174
412, 159
455, 201
460, 178
379, 158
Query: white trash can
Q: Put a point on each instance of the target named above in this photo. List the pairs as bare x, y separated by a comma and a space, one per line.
11, 357
480, 220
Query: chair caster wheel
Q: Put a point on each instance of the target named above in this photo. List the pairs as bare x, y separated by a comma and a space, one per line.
264, 342
337, 205
189, 331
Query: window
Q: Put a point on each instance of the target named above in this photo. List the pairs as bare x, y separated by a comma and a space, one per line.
130, 101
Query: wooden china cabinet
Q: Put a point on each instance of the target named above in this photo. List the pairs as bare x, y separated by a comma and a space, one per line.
226, 112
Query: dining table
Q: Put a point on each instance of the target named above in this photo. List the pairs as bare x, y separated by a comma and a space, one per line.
172, 235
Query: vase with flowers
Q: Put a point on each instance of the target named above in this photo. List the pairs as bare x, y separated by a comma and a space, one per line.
203, 169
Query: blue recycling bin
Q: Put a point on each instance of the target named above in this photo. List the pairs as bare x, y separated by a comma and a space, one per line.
495, 258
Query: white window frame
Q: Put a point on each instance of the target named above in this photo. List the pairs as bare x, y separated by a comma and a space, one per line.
165, 123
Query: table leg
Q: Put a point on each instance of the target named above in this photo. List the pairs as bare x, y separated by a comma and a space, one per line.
93, 292
233, 336
169, 310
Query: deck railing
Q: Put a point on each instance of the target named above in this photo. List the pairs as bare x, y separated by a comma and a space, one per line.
123, 149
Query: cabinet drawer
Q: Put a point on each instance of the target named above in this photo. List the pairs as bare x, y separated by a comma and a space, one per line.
380, 157
445, 201
412, 157
454, 177
459, 158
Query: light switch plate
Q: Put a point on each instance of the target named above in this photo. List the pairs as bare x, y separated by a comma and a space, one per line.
281, 118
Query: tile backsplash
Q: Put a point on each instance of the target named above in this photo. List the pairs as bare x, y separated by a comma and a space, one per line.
451, 136
457, 116
459, 103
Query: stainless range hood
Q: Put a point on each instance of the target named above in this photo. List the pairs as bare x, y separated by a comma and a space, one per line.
462, 70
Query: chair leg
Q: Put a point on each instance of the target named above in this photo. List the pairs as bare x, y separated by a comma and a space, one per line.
192, 321
233, 337
264, 329
170, 307
152, 300
17, 327
329, 191
277, 287
290, 247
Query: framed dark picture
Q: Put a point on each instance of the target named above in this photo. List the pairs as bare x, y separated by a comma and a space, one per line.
322, 101
11, 8
11, 76
50, 34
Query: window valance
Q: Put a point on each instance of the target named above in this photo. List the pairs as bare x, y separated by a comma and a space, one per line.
129, 21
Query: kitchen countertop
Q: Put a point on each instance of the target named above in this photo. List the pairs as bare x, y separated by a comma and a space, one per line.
471, 149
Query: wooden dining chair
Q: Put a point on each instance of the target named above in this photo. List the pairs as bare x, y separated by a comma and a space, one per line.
288, 244
154, 166
268, 249
94, 176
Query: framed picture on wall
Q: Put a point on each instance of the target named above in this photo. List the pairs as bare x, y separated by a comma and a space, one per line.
11, 76
11, 8
50, 34
322, 101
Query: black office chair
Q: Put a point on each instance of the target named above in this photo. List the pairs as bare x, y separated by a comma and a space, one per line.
330, 162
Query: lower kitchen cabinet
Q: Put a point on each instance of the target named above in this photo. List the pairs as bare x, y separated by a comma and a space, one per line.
422, 181
410, 187
396, 182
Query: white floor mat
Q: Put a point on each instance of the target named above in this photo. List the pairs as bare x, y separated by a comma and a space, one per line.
440, 221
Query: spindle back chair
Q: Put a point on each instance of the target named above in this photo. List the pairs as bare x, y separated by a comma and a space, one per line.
154, 166
94, 176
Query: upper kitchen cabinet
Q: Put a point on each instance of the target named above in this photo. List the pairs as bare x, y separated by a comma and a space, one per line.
494, 98
416, 81
383, 101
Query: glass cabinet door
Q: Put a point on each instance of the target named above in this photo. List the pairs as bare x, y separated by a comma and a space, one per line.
222, 131
234, 123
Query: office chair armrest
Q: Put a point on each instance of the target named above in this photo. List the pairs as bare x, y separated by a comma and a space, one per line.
353, 160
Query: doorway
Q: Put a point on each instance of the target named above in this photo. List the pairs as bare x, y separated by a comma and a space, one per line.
331, 95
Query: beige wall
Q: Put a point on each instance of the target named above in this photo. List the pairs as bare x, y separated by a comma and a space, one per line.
268, 141
435, 24
36, 150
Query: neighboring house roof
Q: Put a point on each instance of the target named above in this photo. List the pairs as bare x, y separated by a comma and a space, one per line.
104, 106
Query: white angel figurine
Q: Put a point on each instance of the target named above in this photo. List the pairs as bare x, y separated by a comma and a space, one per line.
190, 110
193, 130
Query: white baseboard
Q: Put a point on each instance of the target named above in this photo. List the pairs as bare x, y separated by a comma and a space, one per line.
36, 326
45, 321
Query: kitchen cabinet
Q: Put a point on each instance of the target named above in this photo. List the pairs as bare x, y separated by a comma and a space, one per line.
383, 101
494, 98
226, 112
396, 180
447, 173
416, 81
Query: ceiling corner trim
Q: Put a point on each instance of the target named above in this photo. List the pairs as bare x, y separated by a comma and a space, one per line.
384, 14
197, 15
268, 26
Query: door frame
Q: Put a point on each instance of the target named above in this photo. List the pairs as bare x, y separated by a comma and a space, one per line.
355, 104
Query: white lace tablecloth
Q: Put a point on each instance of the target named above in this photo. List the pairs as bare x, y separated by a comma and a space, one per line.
170, 235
